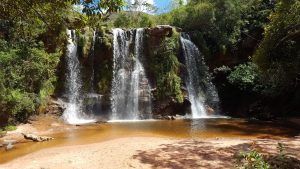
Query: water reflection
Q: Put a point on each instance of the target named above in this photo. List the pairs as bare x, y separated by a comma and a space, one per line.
197, 126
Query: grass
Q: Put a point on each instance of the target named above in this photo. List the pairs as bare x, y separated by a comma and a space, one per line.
10, 128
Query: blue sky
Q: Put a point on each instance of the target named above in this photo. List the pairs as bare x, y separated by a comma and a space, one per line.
162, 5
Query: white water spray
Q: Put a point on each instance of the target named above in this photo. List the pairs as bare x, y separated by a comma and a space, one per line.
73, 113
131, 95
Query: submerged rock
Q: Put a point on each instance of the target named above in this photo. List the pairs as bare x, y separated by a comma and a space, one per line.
9, 146
209, 110
37, 138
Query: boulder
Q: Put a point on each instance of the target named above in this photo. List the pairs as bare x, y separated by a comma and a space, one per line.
209, 110
37, 138
56, 107
161, 30
171, 108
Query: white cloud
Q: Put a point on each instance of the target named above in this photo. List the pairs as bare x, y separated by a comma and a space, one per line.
143, 1
141, 7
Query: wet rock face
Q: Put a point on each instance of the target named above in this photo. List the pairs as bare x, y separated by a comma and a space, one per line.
170, 107
103, 64
55, 107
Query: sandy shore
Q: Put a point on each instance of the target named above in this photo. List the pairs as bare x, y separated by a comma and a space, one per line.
136, 152
147, 152
44, 124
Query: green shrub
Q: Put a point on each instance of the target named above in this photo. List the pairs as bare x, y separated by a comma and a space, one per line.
133, 20
10, 128
165, 66
28, 76
253, 160
20, 104
278, 54
244, 76
85, 41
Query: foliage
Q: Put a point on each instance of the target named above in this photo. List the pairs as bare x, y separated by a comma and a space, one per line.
278, 54
103, 8
85, 41
245, 76
10, 128
28, 19
165, 66
133, 20
218, 21
255, 17
253, 160
223, 69
28, 74
281, 149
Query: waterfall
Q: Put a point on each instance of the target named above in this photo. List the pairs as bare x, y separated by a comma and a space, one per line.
130, 95
73, 113
200, 89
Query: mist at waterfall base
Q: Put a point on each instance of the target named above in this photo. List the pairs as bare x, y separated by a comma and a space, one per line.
73, 113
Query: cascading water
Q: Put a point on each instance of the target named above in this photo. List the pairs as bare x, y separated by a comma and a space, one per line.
140, 87
73, 113
130, 93
199, 86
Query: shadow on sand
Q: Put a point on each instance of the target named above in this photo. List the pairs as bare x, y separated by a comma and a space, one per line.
202, 154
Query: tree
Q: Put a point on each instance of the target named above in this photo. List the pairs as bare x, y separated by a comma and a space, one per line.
278, 55
102, 8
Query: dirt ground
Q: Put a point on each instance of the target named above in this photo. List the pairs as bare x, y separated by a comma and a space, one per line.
145, 152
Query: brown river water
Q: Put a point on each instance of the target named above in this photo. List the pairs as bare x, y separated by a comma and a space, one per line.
196, 128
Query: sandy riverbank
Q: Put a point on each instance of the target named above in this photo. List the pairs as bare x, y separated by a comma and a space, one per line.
44, 124
147, 152
134, 145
